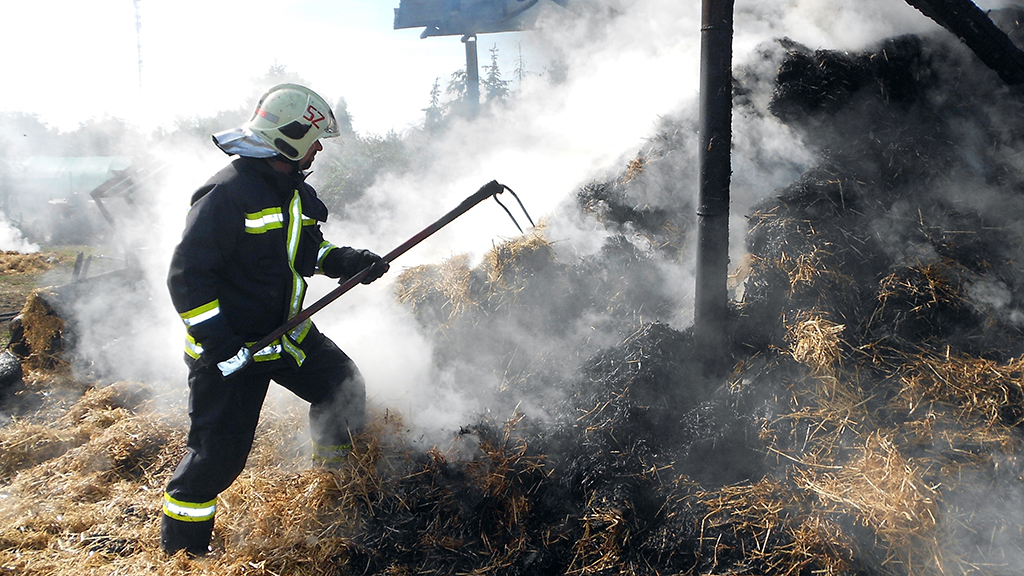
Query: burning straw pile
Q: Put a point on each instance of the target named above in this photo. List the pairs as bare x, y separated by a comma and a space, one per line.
871, 423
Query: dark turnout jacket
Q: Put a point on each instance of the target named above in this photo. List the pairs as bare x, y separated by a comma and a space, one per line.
251, 237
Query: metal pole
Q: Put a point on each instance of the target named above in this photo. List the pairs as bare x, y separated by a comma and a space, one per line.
714, 161
472, 75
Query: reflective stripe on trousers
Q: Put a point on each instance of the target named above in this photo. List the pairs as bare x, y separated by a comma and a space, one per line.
189, 511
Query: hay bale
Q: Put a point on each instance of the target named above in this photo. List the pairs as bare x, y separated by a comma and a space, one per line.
444, 293
431, 513
43, 331
511, 264
438, 294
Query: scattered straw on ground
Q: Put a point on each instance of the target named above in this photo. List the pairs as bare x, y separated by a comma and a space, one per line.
18, 263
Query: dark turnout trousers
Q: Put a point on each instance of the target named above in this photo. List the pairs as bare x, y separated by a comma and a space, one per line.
224, 414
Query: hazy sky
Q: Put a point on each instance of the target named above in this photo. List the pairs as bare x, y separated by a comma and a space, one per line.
69, 60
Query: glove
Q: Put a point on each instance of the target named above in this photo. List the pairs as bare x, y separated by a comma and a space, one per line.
379, 266
235, 363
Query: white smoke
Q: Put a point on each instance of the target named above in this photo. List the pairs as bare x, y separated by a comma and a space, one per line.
626, 65
145, 341
12, 240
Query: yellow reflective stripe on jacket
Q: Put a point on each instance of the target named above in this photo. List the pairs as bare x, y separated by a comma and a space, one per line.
269, 352
264, 220
292, 245
200, 314
193, 348
325, 249
189, 511
294, 350
298, 282
270, 219
298, 334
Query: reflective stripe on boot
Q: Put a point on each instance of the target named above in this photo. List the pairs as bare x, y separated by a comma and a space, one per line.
331, 456
189, 511
187, 526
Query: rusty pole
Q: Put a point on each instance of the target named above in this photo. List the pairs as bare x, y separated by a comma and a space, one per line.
714, 162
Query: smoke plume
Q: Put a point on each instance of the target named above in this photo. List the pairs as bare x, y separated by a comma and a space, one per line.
12, 240
626, 86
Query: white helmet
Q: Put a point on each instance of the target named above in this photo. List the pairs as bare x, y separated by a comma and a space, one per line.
288, 119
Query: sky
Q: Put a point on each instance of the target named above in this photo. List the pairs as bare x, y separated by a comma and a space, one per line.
199, 57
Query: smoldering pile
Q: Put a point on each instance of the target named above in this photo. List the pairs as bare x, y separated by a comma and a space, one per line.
871, 423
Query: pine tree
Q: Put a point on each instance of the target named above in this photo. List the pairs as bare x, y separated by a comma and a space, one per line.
343, 116
434, 112
520, 71
457, 86
495, 88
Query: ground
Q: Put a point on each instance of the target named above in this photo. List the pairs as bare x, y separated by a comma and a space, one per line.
20, 274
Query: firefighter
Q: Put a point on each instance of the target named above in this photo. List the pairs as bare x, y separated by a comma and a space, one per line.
251, 236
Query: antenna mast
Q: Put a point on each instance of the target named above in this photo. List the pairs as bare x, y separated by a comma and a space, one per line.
138, 36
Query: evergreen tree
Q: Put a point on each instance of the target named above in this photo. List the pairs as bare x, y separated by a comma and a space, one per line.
199, 128
495, 88
344, 173
104, 137
457, 86
27, 135
434, 112
342, 115
520, 71
276, 74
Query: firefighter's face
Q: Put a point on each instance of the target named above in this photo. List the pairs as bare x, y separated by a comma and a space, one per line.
307, 160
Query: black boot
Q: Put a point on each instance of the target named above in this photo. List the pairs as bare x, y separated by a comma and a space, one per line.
192, 537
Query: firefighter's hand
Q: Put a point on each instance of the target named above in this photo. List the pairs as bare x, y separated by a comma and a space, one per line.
379, 266
235, 363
